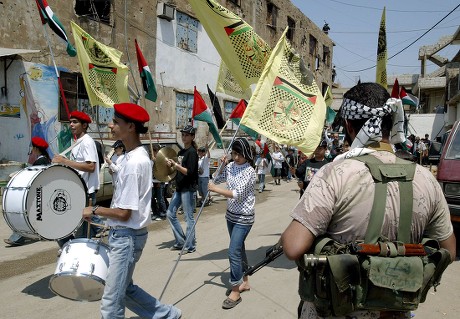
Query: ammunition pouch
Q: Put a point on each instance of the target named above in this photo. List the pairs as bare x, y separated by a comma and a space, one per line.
342, 282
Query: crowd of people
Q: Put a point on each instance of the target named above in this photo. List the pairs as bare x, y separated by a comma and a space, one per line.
339, 205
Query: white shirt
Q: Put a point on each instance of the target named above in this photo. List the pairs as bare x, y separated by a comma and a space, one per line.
203, 163
277, 158
86, 151
134, 189
261, 165
117, 164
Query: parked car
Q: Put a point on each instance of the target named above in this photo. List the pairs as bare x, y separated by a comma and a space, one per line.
448, 174
105, 191
434, 152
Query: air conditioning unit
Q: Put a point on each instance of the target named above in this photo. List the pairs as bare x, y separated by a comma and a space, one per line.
165, 11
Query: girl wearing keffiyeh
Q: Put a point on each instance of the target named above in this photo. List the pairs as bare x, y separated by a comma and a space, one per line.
241, 178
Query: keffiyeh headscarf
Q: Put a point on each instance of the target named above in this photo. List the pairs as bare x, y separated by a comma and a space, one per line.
372, 130
241, 146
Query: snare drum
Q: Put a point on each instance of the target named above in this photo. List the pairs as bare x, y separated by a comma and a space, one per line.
45, 201
81, 270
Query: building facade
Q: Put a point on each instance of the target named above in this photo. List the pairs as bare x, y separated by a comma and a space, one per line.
173, 41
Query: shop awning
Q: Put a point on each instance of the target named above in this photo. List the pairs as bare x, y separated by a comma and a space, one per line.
8, 51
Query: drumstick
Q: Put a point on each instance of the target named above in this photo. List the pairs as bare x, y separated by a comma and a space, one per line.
88, 232
70, 148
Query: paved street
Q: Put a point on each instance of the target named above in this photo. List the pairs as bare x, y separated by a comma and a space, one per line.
200, 280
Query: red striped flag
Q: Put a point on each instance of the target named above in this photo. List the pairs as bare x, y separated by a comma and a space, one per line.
47, 16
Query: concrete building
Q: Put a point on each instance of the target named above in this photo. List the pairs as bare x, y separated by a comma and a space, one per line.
174, 43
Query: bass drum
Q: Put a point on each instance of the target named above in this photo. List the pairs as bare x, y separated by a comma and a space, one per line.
81, 270
45, 202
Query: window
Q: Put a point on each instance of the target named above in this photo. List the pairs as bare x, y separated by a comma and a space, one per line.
291, 25
75, 95
229, 106
313, 43
272, 14
186, 36
326, 56
184, 107
94, 10
235, 2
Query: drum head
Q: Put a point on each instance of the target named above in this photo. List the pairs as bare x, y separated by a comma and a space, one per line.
80, 288
55, 202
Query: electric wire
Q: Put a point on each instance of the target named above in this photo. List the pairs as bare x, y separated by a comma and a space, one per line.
409, 45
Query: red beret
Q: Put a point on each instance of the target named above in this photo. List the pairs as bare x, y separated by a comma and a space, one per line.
80, 116
132, 112
39, 142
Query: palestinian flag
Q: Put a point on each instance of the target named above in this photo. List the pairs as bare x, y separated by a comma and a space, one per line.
201, 112
216, 109
407, 98
146, 75
47, 16
237, 115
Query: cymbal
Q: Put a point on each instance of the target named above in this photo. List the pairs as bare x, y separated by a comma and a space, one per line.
161, 170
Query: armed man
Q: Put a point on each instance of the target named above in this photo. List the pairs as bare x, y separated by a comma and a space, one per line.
372, 233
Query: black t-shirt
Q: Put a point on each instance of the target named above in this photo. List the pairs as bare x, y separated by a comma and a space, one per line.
187, 158
307, 169
42, 161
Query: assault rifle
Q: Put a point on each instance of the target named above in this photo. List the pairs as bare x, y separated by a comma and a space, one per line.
270, 254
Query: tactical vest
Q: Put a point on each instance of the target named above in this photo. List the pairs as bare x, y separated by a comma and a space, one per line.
375, 275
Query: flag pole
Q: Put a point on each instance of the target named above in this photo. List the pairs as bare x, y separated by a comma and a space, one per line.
148, 130
61, 90
187, 239
213, 143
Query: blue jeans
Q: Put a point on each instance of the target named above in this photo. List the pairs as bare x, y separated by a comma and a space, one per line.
126, 247
203, 186
261, 181
237, 252
187, 199
158, 195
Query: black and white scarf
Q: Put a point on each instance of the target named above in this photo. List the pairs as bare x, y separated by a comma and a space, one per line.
372, 130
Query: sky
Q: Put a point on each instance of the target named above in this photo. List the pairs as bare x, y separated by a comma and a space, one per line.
354, 30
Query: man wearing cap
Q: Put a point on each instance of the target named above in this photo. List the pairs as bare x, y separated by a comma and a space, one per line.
339, 199
308, 168
39, 151
186, 186
128, 217
84, 159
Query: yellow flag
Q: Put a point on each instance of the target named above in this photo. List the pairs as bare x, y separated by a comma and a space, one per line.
287, 105
227, 84
328, 97
243, 51
105, 77
381, 75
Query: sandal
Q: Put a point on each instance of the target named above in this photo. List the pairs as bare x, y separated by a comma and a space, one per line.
229, 303
228, 292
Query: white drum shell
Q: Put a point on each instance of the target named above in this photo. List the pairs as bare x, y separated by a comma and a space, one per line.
45, 201
81, 270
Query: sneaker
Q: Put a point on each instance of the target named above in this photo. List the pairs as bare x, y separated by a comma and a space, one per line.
260, 191
158, 218
189, 251
179, 313
12, 243
174, 247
